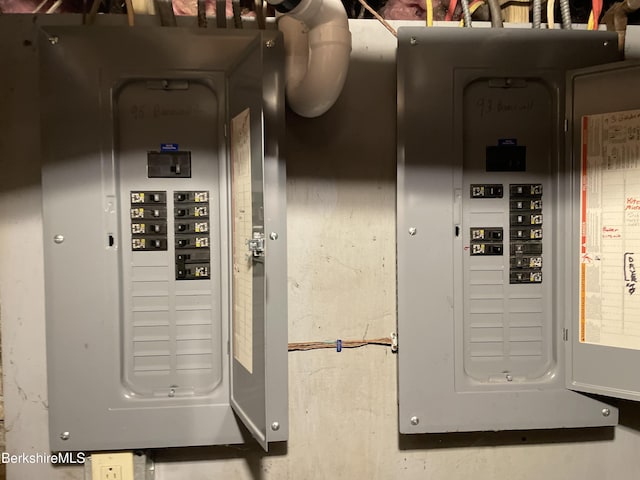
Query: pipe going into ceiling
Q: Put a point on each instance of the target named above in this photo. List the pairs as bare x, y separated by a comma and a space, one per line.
317, 42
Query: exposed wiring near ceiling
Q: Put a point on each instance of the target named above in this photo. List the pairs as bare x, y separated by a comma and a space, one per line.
379, 18
339, 344
496, 13
565, 11
221, 13
594, 16
40, 6
475, 5
202, 13
91, 18
130, 13
451, 10
466, 13
237, 13
429, 12
56, 5
164, 8
537, 13
260, 14
551, 19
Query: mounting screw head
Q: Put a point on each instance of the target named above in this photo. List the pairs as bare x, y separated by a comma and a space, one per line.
415, 421
273, 236
413, 231
53, 40
275, 426
509, 377
269, 43
58, 238
606, 412
413, 41
65, 435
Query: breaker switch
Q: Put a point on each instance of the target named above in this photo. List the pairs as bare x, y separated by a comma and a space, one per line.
192, 241
487, 191
486, 249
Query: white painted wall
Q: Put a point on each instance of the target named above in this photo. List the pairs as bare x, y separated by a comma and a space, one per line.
341, 214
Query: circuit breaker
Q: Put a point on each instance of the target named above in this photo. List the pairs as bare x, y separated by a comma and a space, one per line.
489, 175
164, 220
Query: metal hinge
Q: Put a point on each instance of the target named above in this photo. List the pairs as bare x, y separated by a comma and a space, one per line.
394, 342
256, 244
565, 334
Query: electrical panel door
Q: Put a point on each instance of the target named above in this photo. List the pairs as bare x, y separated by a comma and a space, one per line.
161, 175
484, 215
604, 332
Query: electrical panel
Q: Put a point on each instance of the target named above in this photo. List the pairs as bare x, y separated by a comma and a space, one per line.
488, 215
160, 172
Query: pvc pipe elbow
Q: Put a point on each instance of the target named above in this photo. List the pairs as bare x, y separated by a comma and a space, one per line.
318, 47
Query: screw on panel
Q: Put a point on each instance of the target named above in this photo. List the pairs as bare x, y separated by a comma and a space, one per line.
65, 435
58, 238
53, 40
273, 236
413, 41
413, 231
172, 392
415, 421
275, 426
509, 378
269, 43
606, 43
606, 412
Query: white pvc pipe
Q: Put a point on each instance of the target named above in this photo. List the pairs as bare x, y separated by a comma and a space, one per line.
317, 42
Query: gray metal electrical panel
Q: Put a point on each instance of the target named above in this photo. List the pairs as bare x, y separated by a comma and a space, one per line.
489, 230
164, 221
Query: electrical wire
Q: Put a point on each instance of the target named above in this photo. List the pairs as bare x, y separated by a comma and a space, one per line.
260, 17
466, 13
594, 17
221, 13
164, 8
429, 10
338, 344
131, 19
537, 13
55, 6
475, 5
551, 20
379, 18
496, 13
40, 5
566, 14
451, 10
237, 17
202, 14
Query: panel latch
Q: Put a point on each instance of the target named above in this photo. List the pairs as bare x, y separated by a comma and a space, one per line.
256, 244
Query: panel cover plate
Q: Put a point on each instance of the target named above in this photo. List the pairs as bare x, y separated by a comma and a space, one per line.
480, 336
137, 347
